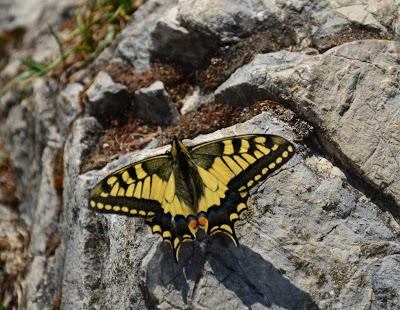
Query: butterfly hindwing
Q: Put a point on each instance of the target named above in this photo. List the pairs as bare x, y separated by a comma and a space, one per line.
173, 230
221, 219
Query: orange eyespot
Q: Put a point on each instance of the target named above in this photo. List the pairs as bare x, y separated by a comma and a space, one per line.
202, 221
193, 224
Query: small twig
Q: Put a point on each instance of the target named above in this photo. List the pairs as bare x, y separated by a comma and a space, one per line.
57, 38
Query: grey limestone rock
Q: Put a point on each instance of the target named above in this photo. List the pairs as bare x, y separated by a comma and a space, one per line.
68, 107
154, 105
30, 14
227, 20
105, 98
14, 257
136, 37
195, 100
35, 143
173, 41
43, 276
106, 266
357, 13
318, 23
350, 93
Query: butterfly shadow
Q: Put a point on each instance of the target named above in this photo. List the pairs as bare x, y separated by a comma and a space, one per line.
240, 270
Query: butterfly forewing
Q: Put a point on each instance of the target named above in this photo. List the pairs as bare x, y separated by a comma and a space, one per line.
134, 190
242, 161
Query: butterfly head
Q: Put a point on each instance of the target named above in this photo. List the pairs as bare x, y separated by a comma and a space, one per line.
178, 149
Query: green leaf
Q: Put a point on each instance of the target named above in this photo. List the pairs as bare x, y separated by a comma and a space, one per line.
79, 21
109, 37
24, 75
126, 5
34, 65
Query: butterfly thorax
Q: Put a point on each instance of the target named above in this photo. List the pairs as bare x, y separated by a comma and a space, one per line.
187, 179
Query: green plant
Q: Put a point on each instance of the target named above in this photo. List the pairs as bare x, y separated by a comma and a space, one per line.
96, 25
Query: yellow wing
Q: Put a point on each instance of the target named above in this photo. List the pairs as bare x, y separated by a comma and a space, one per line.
134, 190
232, 166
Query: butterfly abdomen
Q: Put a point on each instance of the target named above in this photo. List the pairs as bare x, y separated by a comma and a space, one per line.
188, 181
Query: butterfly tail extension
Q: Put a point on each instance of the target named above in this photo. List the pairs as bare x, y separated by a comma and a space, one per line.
222, 220
173, 231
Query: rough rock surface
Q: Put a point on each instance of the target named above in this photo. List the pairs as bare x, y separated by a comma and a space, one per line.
321, 233
136, 37
154, 105
105, 98
350, 93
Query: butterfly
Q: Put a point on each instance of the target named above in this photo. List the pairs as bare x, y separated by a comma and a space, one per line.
203, 186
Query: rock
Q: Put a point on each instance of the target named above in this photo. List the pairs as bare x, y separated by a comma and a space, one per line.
154, 105
230, 20
332, 27
358, 14
175, 42
48, 208
19, 138
14, 258
106, 99
247, 84
323, 232
93, 259
22, 22
44, 108
34, 141
386, 11
380, 282
7, 101
227, 20
349, 93
340, 23
68, 107
136, 37
30, 15
396, 29
193, 101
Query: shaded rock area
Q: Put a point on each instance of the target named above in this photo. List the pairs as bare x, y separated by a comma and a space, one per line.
321, 233
105, 98
154, 105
